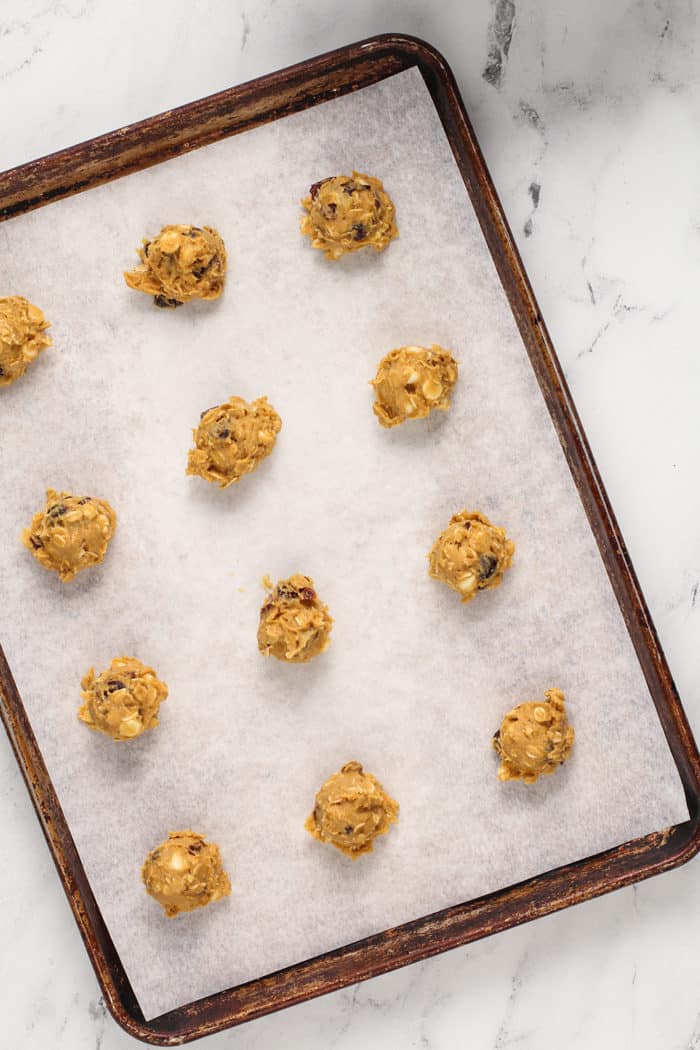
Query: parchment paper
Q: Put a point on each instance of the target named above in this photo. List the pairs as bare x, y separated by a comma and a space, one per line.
414, 684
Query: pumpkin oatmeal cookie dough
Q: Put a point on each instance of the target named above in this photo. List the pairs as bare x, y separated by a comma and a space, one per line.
471, 554
411, 382
184, 873
71, 533
22, 337
534, 739
180, 264
350, 810
123, 701
233, 439
295, 626
346, 213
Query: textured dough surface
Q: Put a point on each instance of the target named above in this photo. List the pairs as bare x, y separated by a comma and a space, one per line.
471, 554
233, 439
71, 533
350, 810
411, 382
180, 264
122, 701
346, 213
185, 872
22, 337
295, 626
534, 739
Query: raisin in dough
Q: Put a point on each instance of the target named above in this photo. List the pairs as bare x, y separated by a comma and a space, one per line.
411, 382
233, 439
180, 264
71, 533
22, 337
534, 739
350, 810
346, 213
122, 701
185, 872
295, 626
471, 554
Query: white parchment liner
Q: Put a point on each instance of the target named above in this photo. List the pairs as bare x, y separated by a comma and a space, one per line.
414, 684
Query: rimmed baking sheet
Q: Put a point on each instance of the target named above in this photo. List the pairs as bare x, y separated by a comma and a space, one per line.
414, 684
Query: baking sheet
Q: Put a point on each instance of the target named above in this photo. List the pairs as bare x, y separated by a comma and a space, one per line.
414, 684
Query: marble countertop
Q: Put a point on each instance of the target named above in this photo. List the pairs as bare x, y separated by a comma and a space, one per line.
588, 117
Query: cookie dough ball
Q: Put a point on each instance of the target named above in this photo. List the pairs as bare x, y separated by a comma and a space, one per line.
22, 337
534, 739
350, 810
71, 533
233, 439
180, 264
122, 701
471, 554
411, 382
346, 213
185, 872
295, 625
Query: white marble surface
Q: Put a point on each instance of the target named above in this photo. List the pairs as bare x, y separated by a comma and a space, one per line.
588, 115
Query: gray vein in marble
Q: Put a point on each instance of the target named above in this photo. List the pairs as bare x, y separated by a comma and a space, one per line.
534, 192
531, 116
98, 1013
619, 309
694, 1041
64, 8
582, 99
516, 984
500, 37
26, 62
245, 30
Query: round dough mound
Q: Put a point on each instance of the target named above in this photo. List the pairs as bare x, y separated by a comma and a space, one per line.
346, 213
122, 701
71, 533
22, 338
233, 439
295, 625
534, 739
350, 810
180, 264
471, 554
185, 872
411, 382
